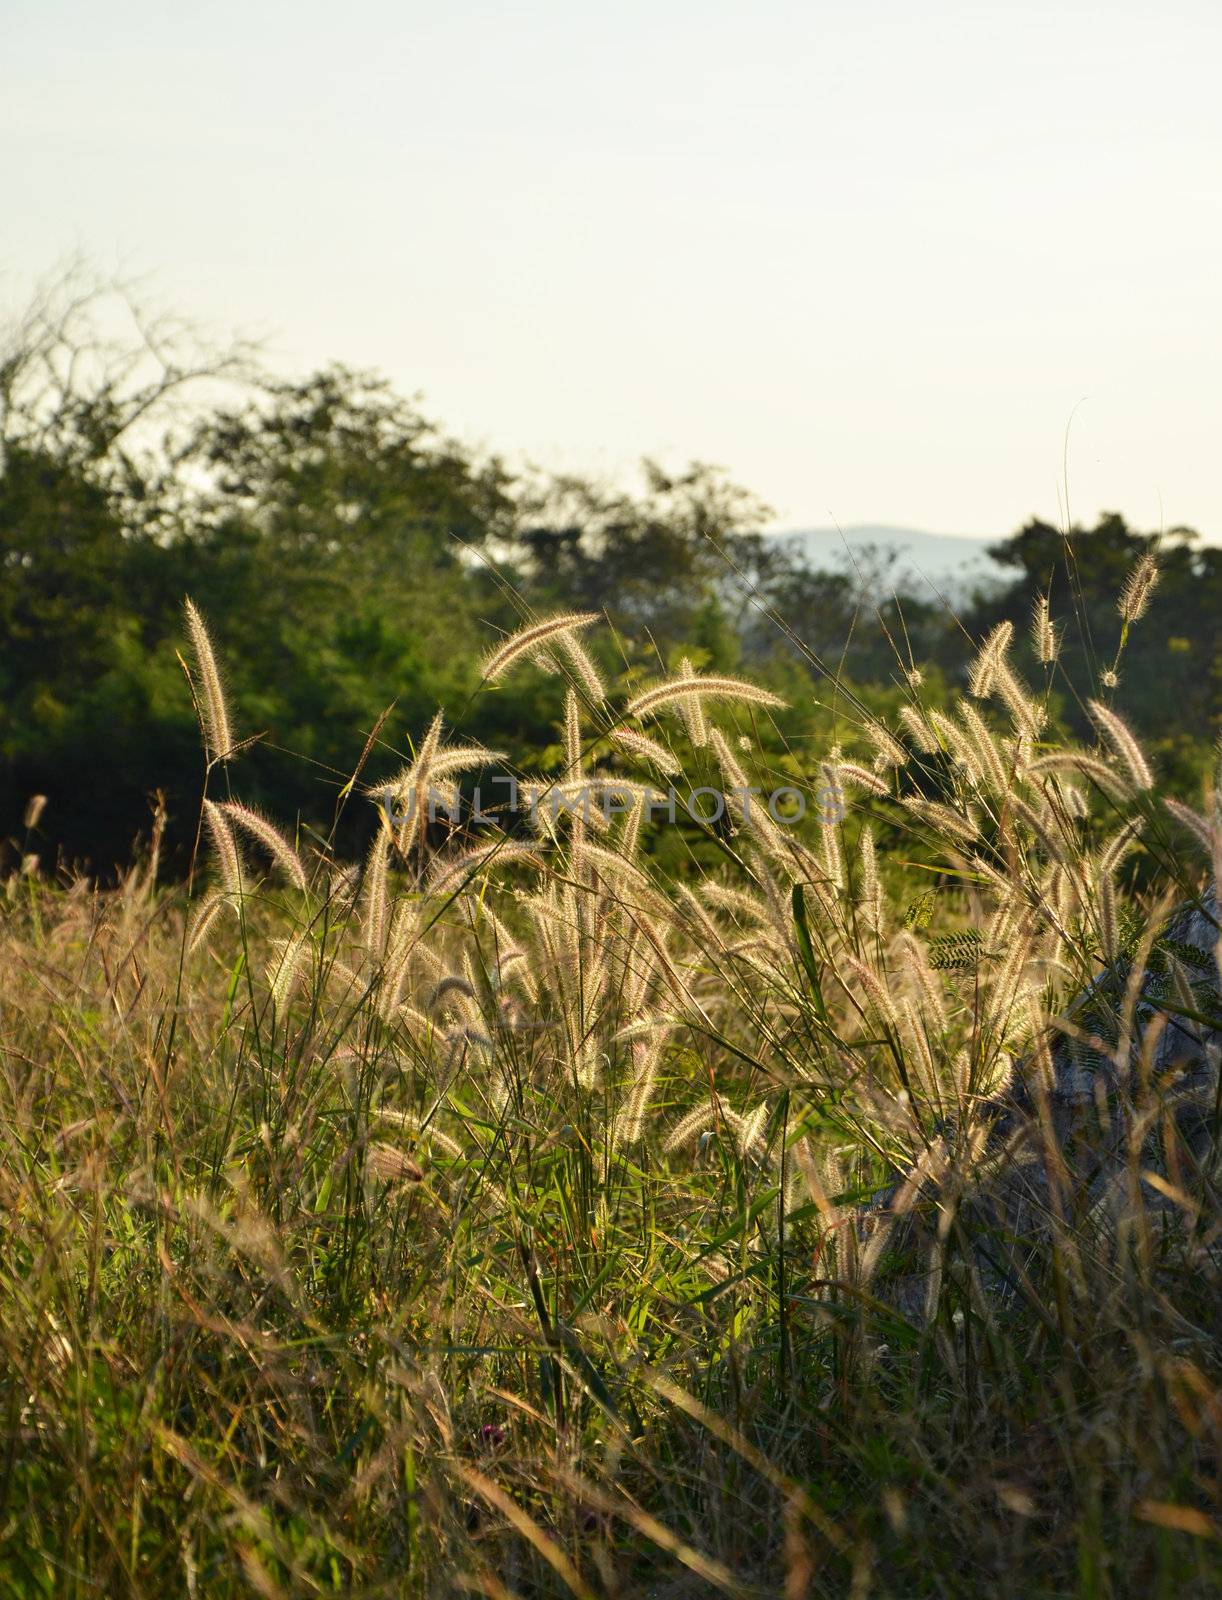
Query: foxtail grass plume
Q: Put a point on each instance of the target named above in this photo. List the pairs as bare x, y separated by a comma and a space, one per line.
869, 980
218, 736
1028, 717
990, 656
691, 709
209, 910
449, 763
583, 665
527, 641
832, 856
852, 772
1123, 743
373, 890
1193, 821
677, 690
410, 785
228, 859
957, 745
392, 1165
612, 864
1138, 587
919, 731
286, 963
630, 1124
871, 889
637, 744
1043, 634
942, 818
891, 752
270, 837
572, 737
1098, 772
470, 863
984, 747
1051, 831
1109, 936
1115, 849
714, 1118
691, 1126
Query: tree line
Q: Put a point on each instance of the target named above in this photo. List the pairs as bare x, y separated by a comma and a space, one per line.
352, 560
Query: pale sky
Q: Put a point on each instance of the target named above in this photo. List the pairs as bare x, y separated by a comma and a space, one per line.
869, 256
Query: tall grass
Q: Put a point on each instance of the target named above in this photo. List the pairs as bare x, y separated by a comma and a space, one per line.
510, 1217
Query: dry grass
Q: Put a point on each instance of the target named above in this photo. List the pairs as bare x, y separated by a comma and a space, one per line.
492, 1222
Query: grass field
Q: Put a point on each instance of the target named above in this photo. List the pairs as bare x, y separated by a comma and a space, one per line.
494, 1216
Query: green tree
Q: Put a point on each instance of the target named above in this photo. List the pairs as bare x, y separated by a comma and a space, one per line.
658, 563
1168, 675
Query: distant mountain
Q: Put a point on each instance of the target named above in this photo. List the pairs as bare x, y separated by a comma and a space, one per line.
944, 558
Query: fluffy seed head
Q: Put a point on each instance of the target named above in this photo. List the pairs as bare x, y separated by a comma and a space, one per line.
691, 710
210, 909
391, 1165
1078, 761
918, 728
943, 818
1123, 743
1193, 821
1109, 936
217, 734
572, 736
1043, 634
871, 889
869, 980
447, 873
584, 666
850, 772
226, 848
1028, 718
984, 746
443, 764
891, 752
647, 749
373, 894
1138, 587
991, 655
276, 845
527, 640
679, 689
287, 958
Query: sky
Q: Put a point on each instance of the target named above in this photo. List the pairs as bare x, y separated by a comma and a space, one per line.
871, 257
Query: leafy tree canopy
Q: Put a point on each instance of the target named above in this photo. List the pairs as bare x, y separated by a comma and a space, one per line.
353, 560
